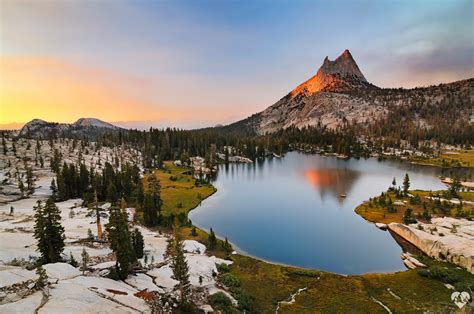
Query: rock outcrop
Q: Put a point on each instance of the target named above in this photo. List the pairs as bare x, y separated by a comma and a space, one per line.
83, 127
333, 75
446, 239
339, 93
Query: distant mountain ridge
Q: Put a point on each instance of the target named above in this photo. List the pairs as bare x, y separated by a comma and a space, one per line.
339, 94
83, 128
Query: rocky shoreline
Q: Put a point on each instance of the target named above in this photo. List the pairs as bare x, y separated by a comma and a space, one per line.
446, 239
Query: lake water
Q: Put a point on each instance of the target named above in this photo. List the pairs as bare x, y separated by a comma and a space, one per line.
289, 210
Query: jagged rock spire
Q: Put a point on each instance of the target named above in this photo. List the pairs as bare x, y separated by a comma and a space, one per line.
344, 68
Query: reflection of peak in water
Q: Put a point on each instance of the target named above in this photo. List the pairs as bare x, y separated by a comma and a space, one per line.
335, 181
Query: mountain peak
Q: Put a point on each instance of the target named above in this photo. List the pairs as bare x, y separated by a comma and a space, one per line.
346, 54
93, 122
332, 75
83, 127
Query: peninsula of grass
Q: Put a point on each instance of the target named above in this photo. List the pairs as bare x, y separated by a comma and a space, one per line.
423, 205
180, 192
259, 286
448, 159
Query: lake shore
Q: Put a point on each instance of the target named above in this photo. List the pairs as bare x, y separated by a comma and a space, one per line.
270, 283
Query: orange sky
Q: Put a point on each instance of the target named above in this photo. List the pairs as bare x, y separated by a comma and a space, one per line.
195, 64
42, 87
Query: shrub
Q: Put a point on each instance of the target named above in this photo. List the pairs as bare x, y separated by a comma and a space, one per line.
229, 280
391, 209
442, 274
408, 218
223, 268
245, 300
303, 272
220, 301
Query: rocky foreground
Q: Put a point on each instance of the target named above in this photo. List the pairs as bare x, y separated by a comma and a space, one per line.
69, 289
447, 239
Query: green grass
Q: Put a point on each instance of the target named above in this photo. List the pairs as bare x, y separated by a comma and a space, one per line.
326, 292
180, 195
373, 212
448, 159
270, 283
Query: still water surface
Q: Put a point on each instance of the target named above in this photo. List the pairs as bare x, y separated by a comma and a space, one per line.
290, 211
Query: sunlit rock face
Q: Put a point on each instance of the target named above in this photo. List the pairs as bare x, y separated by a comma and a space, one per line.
327, 98
332, 75
339, 94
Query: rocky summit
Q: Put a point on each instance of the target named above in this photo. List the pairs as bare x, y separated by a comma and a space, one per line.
83, 127
339, 95
342, 73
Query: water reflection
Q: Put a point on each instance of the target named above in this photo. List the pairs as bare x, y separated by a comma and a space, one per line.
289, 210
335, 181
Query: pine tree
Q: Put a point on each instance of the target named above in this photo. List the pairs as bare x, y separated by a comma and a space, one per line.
150, 212
455, 186
406, 184
96, 211
54, 189
42, 280
4, 144
85, 260
212, 240
170, 247
72, 260
21, 186
112, 194
226, 246
138, 243
180, 269
29, 179
119, 239
49, 232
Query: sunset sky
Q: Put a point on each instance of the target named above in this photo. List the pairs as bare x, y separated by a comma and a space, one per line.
200, 63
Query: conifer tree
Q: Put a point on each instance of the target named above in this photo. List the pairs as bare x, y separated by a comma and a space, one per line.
212, 240
4, 144
455, 186
406, 184
42, 280
96, 211
180, 269
29, 179
49, 232
54, 189
226, 246
150, 212
112, 194
85, 260
21, 186
119, 239
138, 243
72, 260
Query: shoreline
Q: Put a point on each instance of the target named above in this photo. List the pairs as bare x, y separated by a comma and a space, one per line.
242, 252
